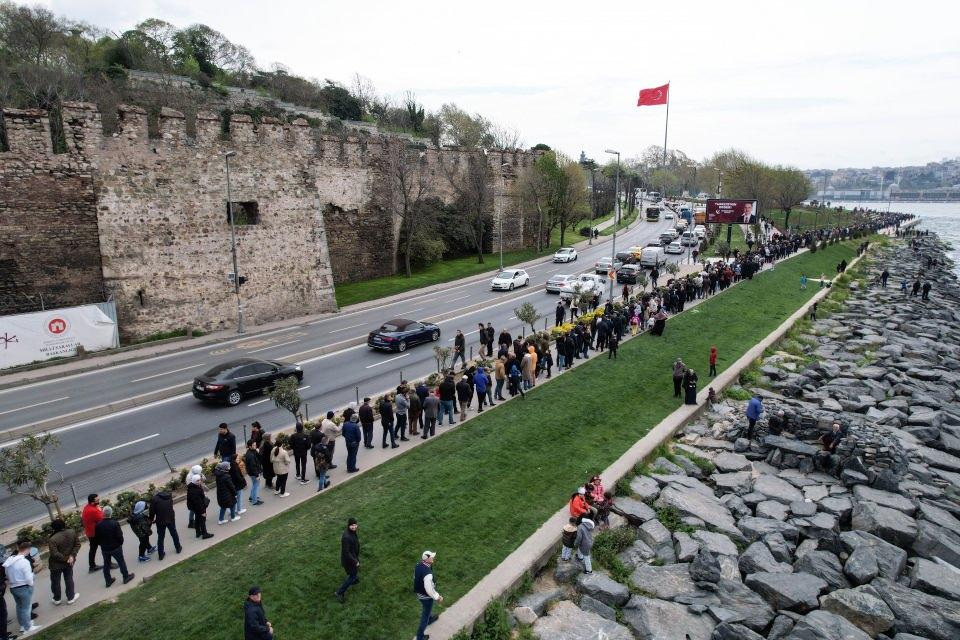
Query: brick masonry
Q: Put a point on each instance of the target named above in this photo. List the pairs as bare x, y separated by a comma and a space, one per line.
144, 219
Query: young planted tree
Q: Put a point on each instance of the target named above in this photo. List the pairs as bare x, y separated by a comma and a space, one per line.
286, 395
528, 314
442, 356
642, 280
24, 470
673, 268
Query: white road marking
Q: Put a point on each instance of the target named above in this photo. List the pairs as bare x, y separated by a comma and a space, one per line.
119, 446
252, 404
469, 333
30, 406
271, 346
158, 375
326, 355
353, 326
460, 298
414, 310
377, 364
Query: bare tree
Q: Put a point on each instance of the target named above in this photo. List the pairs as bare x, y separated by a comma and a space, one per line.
472, 187
503, 137
29, 33
24, 470
411, 179
364, 91
532, 186
460, 129
790, 188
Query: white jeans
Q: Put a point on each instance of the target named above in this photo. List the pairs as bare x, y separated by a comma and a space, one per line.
587, 562
565, 554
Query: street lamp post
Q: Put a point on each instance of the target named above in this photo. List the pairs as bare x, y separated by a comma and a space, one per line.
593, 201
233, 243
616, 217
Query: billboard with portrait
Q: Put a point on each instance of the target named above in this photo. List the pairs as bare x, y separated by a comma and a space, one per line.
731, 211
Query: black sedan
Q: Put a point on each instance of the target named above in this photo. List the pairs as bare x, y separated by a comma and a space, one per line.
628, 274
398, 334
230, 381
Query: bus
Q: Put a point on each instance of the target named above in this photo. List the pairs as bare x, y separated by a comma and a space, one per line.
653, 214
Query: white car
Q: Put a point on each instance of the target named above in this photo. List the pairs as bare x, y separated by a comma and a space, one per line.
668, 215
556, 283
509, 279
689, 239
701, 231
674, 247
589, 282
606, 265
565, 254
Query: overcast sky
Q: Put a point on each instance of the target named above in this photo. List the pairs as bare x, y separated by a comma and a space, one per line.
813, 84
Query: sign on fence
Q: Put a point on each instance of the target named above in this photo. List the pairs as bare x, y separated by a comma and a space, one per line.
32, 337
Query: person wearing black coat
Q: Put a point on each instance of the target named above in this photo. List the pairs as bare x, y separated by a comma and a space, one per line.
365, 412
162, 515
251, 460
266, 446
226, 446
300, 445
239, 483
110, 538
386, 421
349, 558
255, 623
197, 502
226, 492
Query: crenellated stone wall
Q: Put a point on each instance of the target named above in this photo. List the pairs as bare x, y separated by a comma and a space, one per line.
144, 218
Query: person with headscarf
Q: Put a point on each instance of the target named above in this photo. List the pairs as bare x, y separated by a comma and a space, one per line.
197, 502
659, 323
690, 387
226, 492
140, 525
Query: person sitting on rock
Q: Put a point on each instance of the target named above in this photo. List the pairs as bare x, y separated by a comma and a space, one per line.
831, 440
777, 423
578, 503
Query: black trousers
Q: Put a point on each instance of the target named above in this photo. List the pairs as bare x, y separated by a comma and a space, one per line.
367, 435
200, 523
300, 464
677, 383
430, 429
713, 369
94, 545
67, 573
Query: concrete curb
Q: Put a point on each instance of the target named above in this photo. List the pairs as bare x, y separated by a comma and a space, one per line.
536, 550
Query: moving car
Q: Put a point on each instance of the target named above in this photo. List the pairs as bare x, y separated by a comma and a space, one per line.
585, 282
556, 283
628, 274
398, 334
668, 236
689, 239
652, 257
605, 265
565, 254
508, 279
674, 247
230, 381
668, 215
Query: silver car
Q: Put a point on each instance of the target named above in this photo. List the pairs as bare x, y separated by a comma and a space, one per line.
556, 283
565, 254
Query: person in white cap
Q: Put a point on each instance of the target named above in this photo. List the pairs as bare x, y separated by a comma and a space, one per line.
426, 590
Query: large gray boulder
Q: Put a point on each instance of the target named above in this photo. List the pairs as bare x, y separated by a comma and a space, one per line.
893, 526
776, 489
685, 546
636, 554
825, 565
794, 591
603, 588
884, 499
593, 605
645, 487
754, 528
567, 621
666, 582
733, 482
634, 511
692, 502
891, 560
840, 506
757, 558
539, 600
652, 619
726, 462
658, 538
861, 566
866, 611
917, 612
773, 509
934, 541
755, 611
935, 578
823, 625
733, 631
705, 567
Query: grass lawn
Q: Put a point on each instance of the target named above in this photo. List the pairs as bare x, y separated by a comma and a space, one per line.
625, 220
473, 495
804, 219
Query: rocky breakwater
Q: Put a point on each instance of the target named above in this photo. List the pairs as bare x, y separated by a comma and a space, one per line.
729, 538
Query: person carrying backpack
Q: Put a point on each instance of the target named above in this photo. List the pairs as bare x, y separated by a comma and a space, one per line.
320, 464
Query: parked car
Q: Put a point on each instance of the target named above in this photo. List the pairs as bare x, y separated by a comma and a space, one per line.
628, 274
398, 334
509, 279
652, 257
556, 283
605, 265
689, 239
589, 282
674, 247
230, 381
625, 257
565, 254
701, 231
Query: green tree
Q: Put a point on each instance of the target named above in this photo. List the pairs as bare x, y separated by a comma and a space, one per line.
790, 188
339, 102
286, 395
460, 129
24, 470
528, 314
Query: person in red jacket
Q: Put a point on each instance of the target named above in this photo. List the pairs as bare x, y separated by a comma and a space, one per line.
578, 503
713, 361
90, 516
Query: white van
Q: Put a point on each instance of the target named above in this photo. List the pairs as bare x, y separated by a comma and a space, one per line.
689, 239
701, 231
652, 257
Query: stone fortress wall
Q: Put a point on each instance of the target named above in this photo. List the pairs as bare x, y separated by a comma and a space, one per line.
140, 215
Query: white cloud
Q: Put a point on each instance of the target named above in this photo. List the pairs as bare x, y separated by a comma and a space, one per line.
816, 84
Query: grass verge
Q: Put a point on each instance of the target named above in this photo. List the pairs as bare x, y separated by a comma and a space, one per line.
473, 495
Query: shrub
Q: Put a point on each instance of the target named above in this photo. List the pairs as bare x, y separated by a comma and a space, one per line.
738, 393
494, 624
609, 542
670, 518
586, 231
622, 487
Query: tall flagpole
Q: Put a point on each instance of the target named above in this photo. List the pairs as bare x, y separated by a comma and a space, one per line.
666, 126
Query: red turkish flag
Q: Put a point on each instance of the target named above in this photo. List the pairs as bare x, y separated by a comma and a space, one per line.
656, 95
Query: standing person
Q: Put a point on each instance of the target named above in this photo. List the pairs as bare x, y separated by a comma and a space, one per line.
500, 374
197, 502
464, 393
226, 492
331, 431
90, 516
431, 408
584, 543
266, 448
926, 290
251, 460
504, 340
480, 384
386, 421
482, 338
415, 413
239, 483
300, 445
754, 409
139, 522
255, 623
281, 468
162, 515
813, 311
559, 314
256, 432
352, 437
490, 337
515, 378
690, 387
349, 558
19, 573
678, 370
803, 281
320, 464
568, 536
448, 393
713, 361
226, 446
111, 545
884, 276
402, 412
459, 350
613, 343
366, 423
425, 589
64, 545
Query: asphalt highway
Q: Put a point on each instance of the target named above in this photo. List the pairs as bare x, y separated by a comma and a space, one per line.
124, 447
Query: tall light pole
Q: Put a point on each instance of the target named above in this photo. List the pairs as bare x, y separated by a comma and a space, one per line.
616, 217
593, 200
233, 243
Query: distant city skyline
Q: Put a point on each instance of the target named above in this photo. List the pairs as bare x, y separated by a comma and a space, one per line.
818, 85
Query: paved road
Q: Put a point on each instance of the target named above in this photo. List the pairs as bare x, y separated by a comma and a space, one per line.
124, 447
